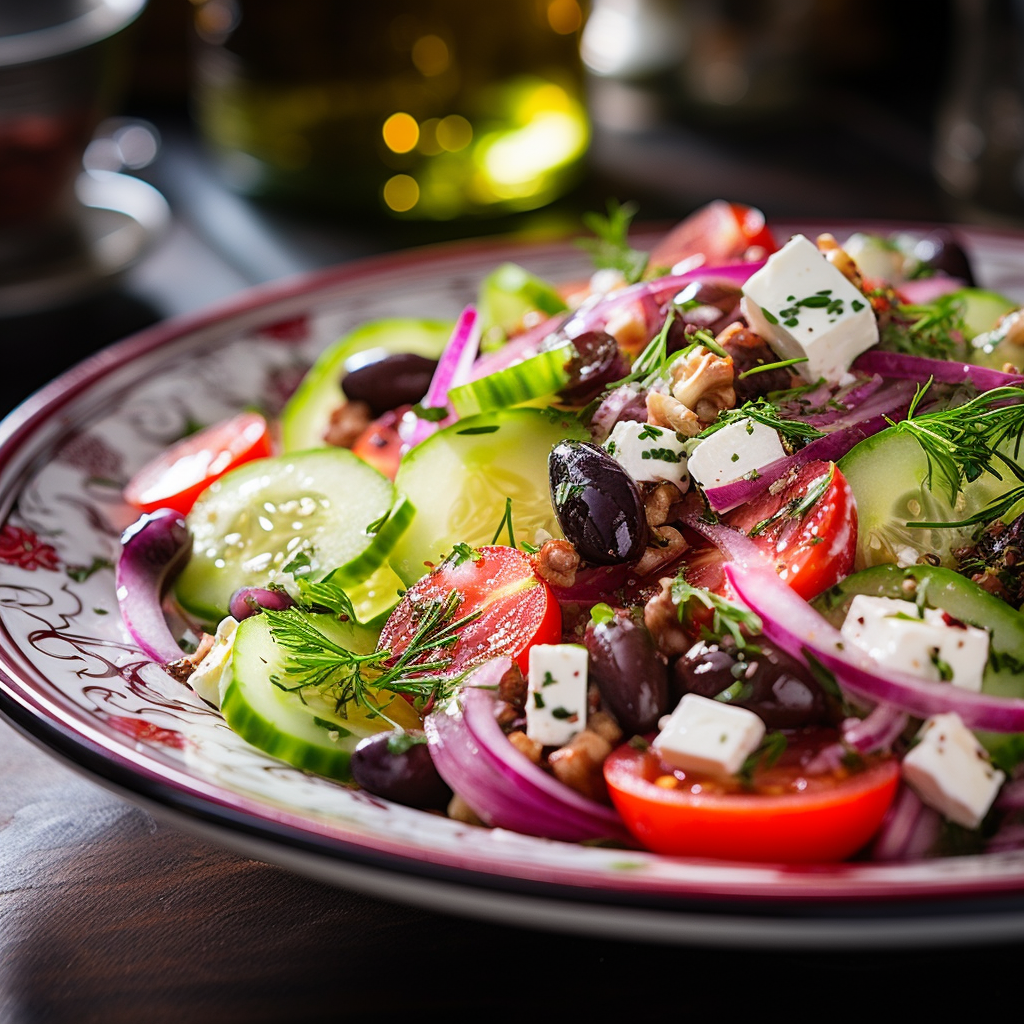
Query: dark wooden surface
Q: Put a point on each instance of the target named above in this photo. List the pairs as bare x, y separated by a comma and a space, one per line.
109, 915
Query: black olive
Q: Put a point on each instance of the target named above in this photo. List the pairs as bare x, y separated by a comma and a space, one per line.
385, 384
939, 250
597, 504
630, 674
762, 679
597, 361
397, 766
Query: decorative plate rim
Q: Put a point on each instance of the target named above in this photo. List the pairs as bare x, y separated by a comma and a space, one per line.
37, 707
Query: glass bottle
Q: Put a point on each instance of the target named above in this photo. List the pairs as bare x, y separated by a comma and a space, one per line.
425, 109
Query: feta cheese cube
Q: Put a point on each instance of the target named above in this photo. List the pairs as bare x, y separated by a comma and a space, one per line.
950, 771
734, 452
895, 633
649, 454
708, 736
211, 676
556, 702
805, 308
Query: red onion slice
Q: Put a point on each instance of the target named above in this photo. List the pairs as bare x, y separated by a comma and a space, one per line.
928, 289
845, 432
896, 365
651, 294
799, 630
502, 785
908, 831
453, 368
154, 550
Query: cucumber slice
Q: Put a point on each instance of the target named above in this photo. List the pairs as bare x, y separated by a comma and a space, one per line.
375, 598
887, 473
981, 309
507, 294
964, 600
989, 345
536, 377
460, 477
308, 411
257, 519
305, 731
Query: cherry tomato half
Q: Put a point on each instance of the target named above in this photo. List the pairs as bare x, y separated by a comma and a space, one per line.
177, 476
516, 609
787, 816
723, 232
381, 444
808, 529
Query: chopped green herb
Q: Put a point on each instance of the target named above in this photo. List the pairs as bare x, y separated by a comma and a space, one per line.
494, 428
610, 249
80, 573
727, 616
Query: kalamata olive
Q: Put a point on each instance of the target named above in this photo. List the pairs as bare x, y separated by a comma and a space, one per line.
765, 679
939, 250
597, 504
703, 305
394, 380
629, 672
749, 350
396, 765
598, 361
247, 601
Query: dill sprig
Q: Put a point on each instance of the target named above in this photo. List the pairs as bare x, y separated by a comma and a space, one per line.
964, 442
934, 329
315, 661
611, 248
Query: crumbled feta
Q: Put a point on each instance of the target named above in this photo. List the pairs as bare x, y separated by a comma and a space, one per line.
708, 736
734, 452
807, 309
211, 676
949, 770
919, 641
649, 454
556, 702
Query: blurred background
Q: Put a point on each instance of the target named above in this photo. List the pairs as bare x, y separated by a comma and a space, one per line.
156, 156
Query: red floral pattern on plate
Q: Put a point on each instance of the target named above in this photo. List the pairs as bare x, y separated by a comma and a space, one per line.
23, 548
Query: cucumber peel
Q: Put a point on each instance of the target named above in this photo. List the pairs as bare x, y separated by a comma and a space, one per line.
535, 377
307, 512
306, 730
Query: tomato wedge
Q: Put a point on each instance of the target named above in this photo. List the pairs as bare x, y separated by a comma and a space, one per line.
808, 529
176, 477
786, 816
514, 608
381, 444
723, 232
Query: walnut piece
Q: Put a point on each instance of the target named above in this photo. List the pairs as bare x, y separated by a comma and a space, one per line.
840, 259
667, 545
526, 746
579, 764
703, 382
664, 411
347, 422
661, 617
557, 562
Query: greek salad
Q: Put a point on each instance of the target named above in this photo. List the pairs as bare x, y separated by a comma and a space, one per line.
717, 553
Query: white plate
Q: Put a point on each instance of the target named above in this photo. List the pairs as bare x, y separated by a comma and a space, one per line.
73, 680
